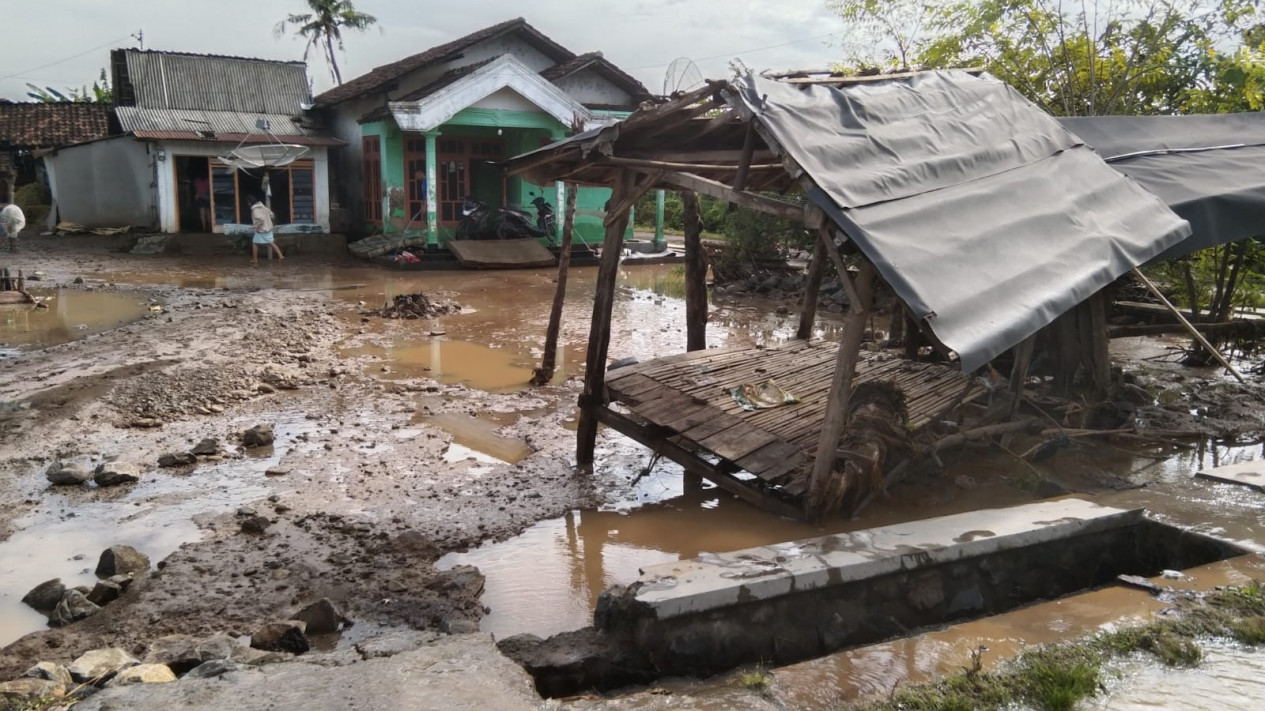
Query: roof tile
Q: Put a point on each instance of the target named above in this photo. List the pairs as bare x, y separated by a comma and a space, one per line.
46, 125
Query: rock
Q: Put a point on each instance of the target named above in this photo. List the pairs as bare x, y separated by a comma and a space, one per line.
219, 647
147, 422
179, 652
45, 596
49, 671
20, 690
100, 664
459, 625
321, 617
289, 636
417, 543
122, 560
123, 581
265, 388
258, 436
256, 524
207, 447
116, 473
78, 280
215, 408
68, 473
143, 674
211, 669
74, 606
105, 592
459, 581
177, 459
277, 471
247, 511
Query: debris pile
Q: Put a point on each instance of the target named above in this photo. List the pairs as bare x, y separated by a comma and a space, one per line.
413, 306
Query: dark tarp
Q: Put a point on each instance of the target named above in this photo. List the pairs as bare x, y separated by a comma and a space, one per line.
984, 215
1210, 169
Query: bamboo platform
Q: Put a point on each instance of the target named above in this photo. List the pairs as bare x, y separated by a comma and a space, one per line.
680, 406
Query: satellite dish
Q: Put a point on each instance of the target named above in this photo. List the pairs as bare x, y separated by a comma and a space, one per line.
268, 155
682, 75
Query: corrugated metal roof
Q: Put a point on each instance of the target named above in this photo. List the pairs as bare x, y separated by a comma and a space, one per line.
174, 80
250, 138
134, 118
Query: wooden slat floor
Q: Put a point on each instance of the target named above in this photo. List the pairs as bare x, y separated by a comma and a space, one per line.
686, 398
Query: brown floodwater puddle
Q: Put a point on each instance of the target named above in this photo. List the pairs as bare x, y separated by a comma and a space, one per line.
478, 434
70, 314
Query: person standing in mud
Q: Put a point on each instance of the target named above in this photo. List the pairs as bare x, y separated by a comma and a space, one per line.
262, 220
202, 199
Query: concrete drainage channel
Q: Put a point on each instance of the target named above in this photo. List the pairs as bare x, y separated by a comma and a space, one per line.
793, 601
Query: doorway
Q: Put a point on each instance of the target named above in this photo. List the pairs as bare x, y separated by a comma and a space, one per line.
193, 193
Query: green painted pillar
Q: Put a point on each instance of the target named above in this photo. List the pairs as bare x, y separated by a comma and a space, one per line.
432, 190
658, 217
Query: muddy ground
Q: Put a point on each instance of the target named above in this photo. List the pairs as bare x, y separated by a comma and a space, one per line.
365, 493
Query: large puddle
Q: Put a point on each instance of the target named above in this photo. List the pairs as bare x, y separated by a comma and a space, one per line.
70, 314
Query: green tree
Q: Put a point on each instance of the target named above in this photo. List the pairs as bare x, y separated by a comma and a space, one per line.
100, 92
323, 28
887, 33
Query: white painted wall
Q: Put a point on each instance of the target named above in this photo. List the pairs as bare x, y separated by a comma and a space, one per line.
167, 189
104, 184
590, 87
506, 100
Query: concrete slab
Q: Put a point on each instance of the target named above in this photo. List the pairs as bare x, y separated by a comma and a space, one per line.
715, 581
1249, 474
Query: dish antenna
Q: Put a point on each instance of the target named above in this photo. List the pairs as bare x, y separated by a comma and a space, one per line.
273, 154
682, 75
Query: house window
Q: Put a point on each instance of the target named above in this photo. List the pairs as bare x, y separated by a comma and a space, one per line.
372, 146
224, 194
302, 193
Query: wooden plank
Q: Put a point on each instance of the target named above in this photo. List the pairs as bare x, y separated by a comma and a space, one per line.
721, 422
696, 465
720, 191
693, 419
631, 384
737, 441
773, 460
501, 253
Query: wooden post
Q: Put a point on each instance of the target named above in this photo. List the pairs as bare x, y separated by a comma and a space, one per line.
1097, 359
544, 373
841, 384
594, 395
1019, 372
816, 271
744, 162
695, 275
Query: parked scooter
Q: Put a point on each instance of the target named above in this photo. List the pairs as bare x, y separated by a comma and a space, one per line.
478, 221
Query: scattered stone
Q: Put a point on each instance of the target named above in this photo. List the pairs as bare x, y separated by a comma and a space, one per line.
144, 674
321, 617
247, 511
256, 524
219, 647
45, 596
105, 592
147, 422
74, 606
215, 408
179, 652
417, 543
100, 664
459, 625
211, 669
49, 671
265, 388
289, 636
68, 473
123, 581
78, 280
258, 436
207, 447
177, 459
122, 560
277, 471
116, 473
20, 690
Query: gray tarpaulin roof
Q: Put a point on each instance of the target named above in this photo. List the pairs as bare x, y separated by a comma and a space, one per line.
985, 216
1210, 169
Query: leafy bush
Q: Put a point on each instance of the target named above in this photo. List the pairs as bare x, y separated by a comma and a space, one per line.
753, 237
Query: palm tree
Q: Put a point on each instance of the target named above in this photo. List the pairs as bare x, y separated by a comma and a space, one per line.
323, 27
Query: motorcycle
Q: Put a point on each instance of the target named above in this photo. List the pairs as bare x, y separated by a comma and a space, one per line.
478, 221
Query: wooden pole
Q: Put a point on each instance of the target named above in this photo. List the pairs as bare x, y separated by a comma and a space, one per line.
1182, 319
695, 275
1019, 372
841, 384
594, 394
816, 271
544, 373
744, 163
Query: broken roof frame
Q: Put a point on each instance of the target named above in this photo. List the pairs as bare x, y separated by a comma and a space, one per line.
716, 141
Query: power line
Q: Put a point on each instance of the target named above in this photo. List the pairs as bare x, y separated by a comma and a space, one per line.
745, 51
20, 74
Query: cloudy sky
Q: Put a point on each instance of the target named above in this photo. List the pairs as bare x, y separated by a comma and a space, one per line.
64, 43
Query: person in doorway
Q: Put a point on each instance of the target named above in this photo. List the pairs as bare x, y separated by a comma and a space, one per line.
12, 221
261, 219
202, 200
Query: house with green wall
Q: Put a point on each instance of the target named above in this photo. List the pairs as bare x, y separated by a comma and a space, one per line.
424, 132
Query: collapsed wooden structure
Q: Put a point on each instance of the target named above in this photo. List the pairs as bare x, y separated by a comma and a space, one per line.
709, 141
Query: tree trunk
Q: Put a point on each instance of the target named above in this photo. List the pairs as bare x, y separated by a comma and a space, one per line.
695, 275
544, 373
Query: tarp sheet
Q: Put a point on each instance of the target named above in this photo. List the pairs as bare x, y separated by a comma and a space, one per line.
984, 215
1210, 169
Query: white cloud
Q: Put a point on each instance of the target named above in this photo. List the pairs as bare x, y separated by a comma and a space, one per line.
642, 36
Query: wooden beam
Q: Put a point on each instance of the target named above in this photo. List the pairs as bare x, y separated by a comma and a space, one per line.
721, 122
669, 165
727, 158
816, 271
695, 275
720, 191
1199, 337
695, 464
594, 393
867, 79
643, 184
1019, 373
841, 385
544, 374
744, 163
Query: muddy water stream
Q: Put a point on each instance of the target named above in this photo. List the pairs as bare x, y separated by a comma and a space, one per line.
71, 314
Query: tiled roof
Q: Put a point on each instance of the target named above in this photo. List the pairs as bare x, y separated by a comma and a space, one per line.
40, 125
447, 78
205, 82
622, 79
388, 73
